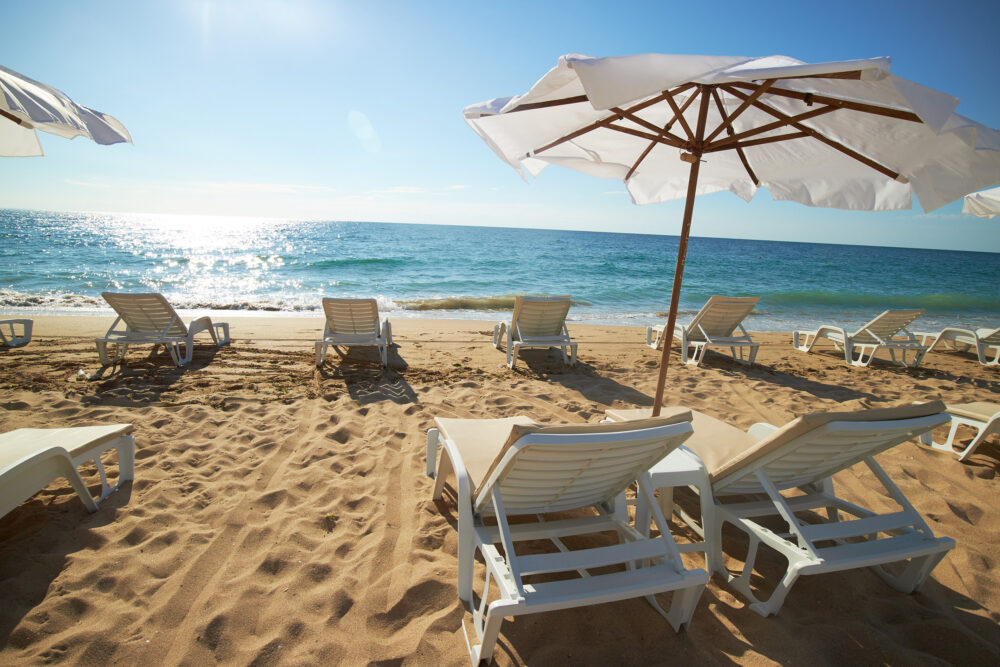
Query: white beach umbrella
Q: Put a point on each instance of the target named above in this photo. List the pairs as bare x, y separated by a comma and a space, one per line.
846, 134
27, 105
985, 204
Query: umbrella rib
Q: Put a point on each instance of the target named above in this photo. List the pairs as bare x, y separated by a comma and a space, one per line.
758, 142
12, 117
825, 139
727, 122
551, 103
668, 140
729, 130
642, 156
664, 131
809, 98
679, 113
606, 122
734, 138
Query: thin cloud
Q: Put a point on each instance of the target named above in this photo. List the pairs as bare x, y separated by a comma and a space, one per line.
458, 187
400, 190
89, 184
267, 188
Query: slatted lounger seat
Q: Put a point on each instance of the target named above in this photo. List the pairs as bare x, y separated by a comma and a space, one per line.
508, 467
15, 332
887, 331
538, 321
32, 458
713, 326
986, 342
354, 322
150, 319
790, 470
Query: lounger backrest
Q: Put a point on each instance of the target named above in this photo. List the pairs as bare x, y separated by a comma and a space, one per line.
540, 315
351, 316
720, 316
557, 468
146, 313
816, 446
887, 325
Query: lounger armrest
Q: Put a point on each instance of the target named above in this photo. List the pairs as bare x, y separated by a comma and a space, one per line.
822, 331
761, 430
203, 323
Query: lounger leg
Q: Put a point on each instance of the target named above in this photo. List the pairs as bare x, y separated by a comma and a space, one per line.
808, 339
320, 353
949, 444
914, 574
699, 354
220, 333
491, 631
466, 549
650, 342
985, 360
777, 598
682, 606
860, 361
188, 351
73, 477
512, 350
102, 352
125, 447
499, 330
432, 446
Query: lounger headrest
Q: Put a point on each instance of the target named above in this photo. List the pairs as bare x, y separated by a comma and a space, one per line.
518, 431
719, 467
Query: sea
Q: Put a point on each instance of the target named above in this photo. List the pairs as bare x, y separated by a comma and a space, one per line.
59, 263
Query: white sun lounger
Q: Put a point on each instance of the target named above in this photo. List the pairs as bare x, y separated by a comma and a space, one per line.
538, 321
150, 319
713, 326
881, 332
506, 467
983, 417
985, 341
32, 458
802, 458
354, 322
15, 333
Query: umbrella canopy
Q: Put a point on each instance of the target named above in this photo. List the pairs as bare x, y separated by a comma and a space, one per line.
846, 134
985, 204
27, 105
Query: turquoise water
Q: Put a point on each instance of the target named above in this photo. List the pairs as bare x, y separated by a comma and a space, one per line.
61, 262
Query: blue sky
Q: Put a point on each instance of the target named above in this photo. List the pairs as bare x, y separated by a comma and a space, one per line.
352, 110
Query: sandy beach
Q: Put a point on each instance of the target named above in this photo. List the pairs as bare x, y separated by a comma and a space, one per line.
280, 513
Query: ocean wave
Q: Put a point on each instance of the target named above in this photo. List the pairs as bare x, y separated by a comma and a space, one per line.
64, 300
481, 303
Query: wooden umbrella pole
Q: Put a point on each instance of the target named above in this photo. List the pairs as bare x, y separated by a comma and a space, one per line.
675, 293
